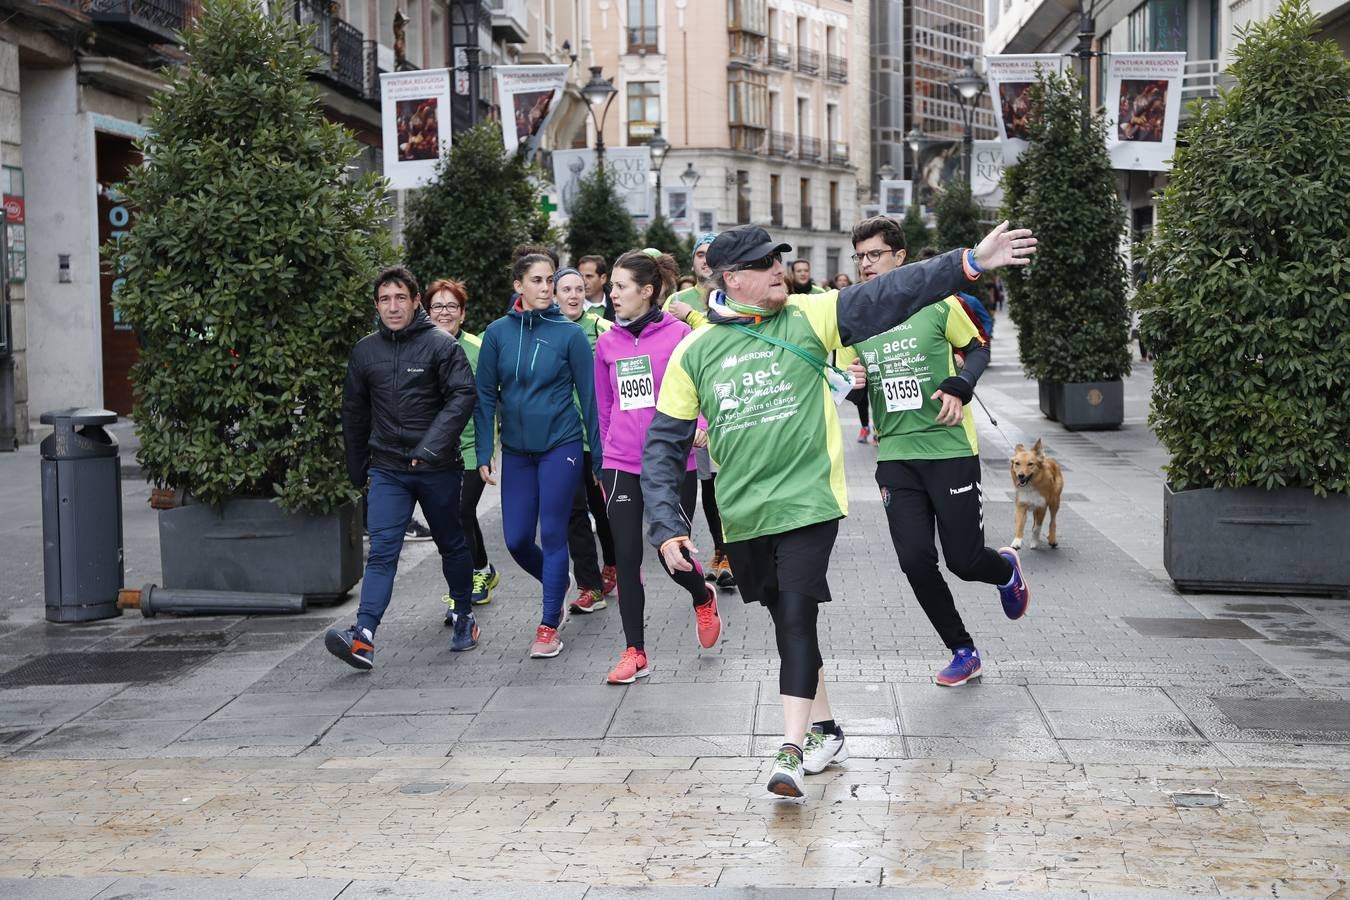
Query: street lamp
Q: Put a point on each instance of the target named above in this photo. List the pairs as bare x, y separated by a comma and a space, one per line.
969, 87
885, 172
599, 93
658, 147
690, 176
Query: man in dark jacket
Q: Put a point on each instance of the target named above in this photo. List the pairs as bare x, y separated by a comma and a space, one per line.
408, 394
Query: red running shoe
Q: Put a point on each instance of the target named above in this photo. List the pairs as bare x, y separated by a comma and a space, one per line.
709, 622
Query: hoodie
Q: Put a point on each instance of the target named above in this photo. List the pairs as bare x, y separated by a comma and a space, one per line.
622, 432
530, 364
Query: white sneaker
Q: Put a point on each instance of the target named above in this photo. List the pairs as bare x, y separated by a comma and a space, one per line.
823, 750
786, 778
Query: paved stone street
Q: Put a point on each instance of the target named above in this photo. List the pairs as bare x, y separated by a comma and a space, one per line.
1125, 739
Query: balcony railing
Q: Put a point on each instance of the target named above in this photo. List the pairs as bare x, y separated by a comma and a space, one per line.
808, 61
836, 69
806, 218
347, 62
1201, 80
836, 220
372, 80
153, 20
808, 147
838, 154
781, 144
747, 139
776, 215
780, 55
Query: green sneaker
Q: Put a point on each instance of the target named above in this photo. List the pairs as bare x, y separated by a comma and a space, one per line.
484, 580
786, 778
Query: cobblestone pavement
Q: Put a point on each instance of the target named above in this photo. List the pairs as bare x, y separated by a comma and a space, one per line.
237, 747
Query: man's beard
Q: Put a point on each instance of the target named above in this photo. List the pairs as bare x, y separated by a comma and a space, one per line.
772, 305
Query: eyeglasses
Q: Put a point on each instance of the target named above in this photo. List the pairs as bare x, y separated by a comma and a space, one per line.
445, 307
872, 255
767, 262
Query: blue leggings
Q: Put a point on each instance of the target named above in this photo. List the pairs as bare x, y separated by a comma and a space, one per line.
537, 491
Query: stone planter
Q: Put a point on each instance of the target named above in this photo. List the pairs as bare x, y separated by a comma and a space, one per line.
1090, 405
1254, 540
1049, 394
253, 545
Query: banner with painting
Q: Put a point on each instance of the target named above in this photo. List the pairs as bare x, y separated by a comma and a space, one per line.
1010, 81
415, 119
528, 96
1143, 106
630, 166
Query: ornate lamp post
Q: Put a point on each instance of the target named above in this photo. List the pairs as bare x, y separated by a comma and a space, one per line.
968, 85
599, 93
659, 147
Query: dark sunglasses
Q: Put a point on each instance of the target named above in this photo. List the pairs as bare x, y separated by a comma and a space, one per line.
764, 263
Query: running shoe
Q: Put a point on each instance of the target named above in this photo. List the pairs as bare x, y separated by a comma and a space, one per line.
708, 622
863, 434
823, 750
588, 601
786, 778
355, 646
964, 666
711, 574
416, 531
609, 580
632, 666
484, 580
1016, 597
724, 577
546, 644
466, 633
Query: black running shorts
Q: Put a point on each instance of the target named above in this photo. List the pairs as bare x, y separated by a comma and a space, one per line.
794, 561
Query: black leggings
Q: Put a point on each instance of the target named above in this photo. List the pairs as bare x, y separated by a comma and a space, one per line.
469, 496
580, 542
859, 398
623, 493
710, 511
794, 627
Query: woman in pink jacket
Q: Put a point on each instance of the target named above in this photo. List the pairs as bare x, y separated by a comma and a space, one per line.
630, 361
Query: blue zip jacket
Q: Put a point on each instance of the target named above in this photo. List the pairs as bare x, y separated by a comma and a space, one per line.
530, 364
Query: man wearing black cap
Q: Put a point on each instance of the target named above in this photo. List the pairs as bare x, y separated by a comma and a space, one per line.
759, 378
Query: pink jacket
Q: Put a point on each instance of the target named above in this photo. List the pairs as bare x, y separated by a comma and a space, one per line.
622, 432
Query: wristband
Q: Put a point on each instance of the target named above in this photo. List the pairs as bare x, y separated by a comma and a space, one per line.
972, 268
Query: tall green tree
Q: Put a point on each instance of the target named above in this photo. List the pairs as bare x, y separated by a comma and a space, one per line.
599, 222
917, 236
248, 270
958, 217
660, 235
468, 234
1247, 302
1069, 304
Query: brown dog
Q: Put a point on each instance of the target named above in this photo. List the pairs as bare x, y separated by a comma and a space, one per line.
1037, 482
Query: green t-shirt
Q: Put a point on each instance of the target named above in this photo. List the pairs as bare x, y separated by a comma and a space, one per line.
904, 366
471, 343
773, 429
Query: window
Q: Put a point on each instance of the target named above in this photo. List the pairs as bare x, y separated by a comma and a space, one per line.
831, 122
355, 14
742, 197
642, 26
11, 179
748, 98
437, 35
776, 200
644, 111
748, 15
386, 10
1158, 25
803, 32
831, 266
803, 117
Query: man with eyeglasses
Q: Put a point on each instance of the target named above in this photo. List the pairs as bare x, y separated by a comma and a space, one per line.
407, 396
758, 375
921, 377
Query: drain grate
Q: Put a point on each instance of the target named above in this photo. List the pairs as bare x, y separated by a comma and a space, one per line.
1197, 799
1219, 629
102, 667
186, 639
1286, 715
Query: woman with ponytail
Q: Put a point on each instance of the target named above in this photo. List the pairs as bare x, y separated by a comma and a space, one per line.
630, 362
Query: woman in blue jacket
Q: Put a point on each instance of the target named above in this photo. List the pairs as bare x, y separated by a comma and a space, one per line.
531, 362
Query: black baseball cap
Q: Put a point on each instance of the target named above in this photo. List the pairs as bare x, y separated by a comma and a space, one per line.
743, 244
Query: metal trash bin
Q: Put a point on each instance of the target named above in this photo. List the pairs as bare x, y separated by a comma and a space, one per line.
81, 516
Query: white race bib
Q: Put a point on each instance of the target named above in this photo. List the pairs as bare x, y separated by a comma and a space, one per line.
902, 392
637, 387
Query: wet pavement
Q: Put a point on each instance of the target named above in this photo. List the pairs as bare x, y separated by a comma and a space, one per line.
1085, 760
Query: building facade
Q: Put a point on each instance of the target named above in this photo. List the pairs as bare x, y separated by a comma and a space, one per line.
765, 100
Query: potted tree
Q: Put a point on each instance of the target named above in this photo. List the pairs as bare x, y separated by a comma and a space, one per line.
1248, 302
247, 279
1070, 303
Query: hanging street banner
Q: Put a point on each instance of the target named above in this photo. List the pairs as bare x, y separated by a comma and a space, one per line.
1011, 79
527, 96
1143, 106
629, 166
415, 114
986, 173
896, 197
